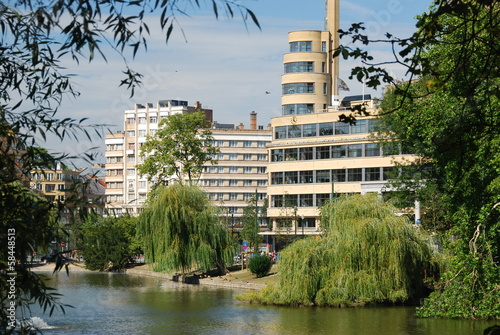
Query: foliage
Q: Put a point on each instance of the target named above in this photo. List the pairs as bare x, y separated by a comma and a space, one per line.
28, 223
109, 243
181, 231
367, 255
180, 147
448, 112
260, 265
36, 37
250, 220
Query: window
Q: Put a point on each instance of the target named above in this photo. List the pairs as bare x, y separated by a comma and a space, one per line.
338, 175
291, 200
291, 177
213, 182
373, 124
130, 120
323, 152
142, 120
323, 176
220, 156
49, 176
354, 175
247, 157
131, 146
306, 177
309, 130
372, 174
306, 200
294, 131
297, 88
322, 198
233, 143
261, 182
293, 109
299, 67
277, 200
247, 169
153, 119
233, 169
233, 182
341, 128
131, 172
372, 149
131, 158
300, 46
131, 133
60, 176
233, 210
291, 154
355, 150
152, 132
280, 132
142, 133
233, 196
50, 187
247, 144
277, 178
233, 157
220, 169
142, 184
325, 88
261, 169
359, 127
262, 157
326, 129
277, 155
323, 46
261, 144
339, 151
61, 187
306, 153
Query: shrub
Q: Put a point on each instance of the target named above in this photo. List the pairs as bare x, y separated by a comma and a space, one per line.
260, 265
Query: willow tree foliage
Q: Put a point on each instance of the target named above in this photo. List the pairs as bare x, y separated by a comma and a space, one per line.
250, 220
179, 149
181, 231
367, 255
449, 113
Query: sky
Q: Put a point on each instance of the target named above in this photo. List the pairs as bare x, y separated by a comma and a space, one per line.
224, 63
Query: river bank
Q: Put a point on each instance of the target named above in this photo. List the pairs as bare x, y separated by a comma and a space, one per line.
241, 279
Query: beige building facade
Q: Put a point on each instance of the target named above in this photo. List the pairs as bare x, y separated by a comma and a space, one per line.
313, 156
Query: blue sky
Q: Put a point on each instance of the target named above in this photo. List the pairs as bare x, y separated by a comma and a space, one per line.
223, 64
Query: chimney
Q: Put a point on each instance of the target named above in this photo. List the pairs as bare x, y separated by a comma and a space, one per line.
197, 105
253, 120
240, 126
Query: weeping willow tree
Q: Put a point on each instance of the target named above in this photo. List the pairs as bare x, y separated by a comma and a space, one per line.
181, 231
367, 255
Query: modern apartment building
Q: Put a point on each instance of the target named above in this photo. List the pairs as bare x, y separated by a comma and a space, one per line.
239, 174
241, 171
313, 156
126, 191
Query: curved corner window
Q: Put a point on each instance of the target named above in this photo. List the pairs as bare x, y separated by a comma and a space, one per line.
297, 88
299, 67
300, 46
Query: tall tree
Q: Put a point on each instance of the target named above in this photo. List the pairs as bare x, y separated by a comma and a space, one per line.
449, 114
181, 231
179, 149
251, 214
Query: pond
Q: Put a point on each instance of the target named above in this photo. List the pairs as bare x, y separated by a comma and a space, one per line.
130, 304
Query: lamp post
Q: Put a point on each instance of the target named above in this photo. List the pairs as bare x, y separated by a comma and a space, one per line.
303, 226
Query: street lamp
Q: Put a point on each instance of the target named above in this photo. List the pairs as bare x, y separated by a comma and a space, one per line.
303, 226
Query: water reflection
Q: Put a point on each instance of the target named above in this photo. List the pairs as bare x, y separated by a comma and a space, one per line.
127, 304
